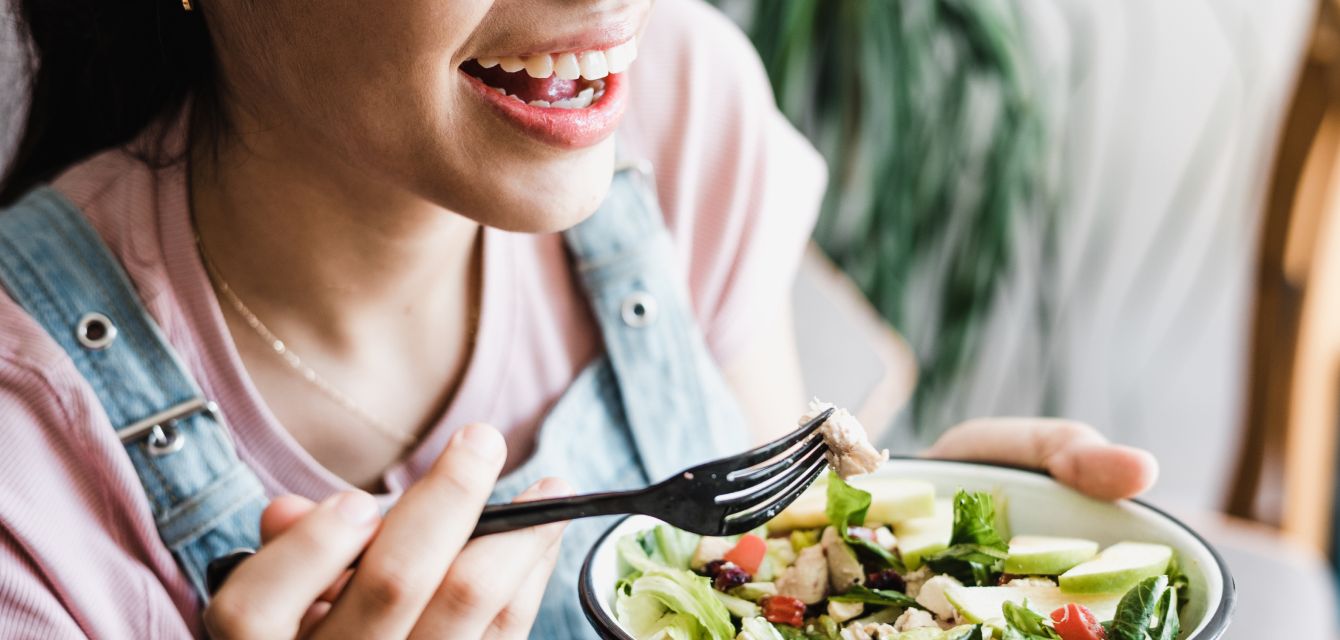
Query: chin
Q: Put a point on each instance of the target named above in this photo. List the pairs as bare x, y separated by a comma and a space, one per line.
544, 194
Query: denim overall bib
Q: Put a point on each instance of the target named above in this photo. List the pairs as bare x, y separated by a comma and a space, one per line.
651, 405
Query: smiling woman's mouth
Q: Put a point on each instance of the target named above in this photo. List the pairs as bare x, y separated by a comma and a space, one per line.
569, 99
563, 81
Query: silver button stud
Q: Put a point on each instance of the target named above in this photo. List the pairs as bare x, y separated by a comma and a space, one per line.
639, 309
95, 331
165, 439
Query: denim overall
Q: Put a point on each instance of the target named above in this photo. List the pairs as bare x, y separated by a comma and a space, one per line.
653, 404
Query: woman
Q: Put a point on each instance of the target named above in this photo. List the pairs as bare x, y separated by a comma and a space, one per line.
341, 219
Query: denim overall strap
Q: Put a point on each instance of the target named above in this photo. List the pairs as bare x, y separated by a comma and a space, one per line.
204, 501
672, 393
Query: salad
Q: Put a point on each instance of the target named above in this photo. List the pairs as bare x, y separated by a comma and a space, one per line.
883, 558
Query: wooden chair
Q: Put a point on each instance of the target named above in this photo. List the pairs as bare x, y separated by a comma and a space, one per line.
1287, 466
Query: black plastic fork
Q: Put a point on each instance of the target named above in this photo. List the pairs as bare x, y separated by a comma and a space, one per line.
718, 498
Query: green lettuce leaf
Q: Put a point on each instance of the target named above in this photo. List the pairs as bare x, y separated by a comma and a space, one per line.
1168, 623
675, 626
688, 593
676, 546
1139, 610
758, 629
976, 553
877, 597
846, 508
1022, 623
635, 555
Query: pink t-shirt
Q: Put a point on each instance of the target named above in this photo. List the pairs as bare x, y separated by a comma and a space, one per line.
79, 554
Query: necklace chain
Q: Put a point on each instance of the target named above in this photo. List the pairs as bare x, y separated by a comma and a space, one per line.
289, 357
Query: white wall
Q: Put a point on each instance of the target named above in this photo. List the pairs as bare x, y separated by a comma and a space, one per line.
1168, 113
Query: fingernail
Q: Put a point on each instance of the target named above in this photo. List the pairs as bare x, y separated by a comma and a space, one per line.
357, 508
483, 440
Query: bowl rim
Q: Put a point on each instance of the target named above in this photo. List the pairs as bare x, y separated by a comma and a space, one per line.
1216, 627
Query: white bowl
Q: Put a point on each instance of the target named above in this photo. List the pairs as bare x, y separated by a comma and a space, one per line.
1036, 504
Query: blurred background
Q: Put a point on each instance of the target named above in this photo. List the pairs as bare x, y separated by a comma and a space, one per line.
1117, 212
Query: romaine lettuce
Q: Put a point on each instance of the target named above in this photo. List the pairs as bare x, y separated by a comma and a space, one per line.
687, 593
1022, 623
676, 546
846, 508
976, 553
1148, 610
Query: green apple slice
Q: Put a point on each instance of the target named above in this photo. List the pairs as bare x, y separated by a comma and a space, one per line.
1046, 555
982, 605
891, 500
921, 537
1117, 568
807, 512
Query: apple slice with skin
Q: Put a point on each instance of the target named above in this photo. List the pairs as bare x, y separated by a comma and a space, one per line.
1117, 568
891, 500
921, 537
983, 605
1046, 555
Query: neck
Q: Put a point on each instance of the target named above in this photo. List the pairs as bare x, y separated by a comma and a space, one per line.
321, 252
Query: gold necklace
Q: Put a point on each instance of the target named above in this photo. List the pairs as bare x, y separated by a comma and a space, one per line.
280, 349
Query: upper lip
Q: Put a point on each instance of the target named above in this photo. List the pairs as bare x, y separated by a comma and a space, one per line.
599, 38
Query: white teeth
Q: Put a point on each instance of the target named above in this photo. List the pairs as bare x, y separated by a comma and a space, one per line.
594, 65
541, 66
566, 67
500, 90
539, 103
620, 57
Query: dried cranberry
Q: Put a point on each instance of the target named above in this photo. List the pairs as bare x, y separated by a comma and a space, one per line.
886, 579
713, 567
783, 610
729, 577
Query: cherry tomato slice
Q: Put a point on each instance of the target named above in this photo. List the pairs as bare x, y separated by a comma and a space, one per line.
748, 553
1076, 622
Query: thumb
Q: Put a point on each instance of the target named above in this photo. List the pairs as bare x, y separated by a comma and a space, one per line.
282, 513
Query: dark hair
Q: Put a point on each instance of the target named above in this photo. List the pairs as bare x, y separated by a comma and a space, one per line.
100, 72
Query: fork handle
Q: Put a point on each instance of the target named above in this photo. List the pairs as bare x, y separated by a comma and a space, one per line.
499, 518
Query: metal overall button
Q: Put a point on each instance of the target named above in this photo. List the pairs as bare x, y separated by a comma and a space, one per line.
95, 331
160, 431
638, 309
164, 439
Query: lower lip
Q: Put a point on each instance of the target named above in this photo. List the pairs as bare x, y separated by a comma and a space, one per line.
564, 128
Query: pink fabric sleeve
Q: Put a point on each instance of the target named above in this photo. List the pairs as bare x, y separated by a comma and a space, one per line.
78, 549
740, 187
30, 608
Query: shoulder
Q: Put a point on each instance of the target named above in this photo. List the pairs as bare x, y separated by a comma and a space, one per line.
739, 187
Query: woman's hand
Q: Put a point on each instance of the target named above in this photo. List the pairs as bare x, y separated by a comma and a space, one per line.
1073, 452
419, 575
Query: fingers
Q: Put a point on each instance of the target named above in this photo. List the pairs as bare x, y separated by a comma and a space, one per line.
268, 595
1073, 452
515, 621
419, 539
482, 588
282, 513
1109, 472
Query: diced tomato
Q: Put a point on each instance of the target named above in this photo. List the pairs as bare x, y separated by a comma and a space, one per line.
748, 553
1076, 622
783, 610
